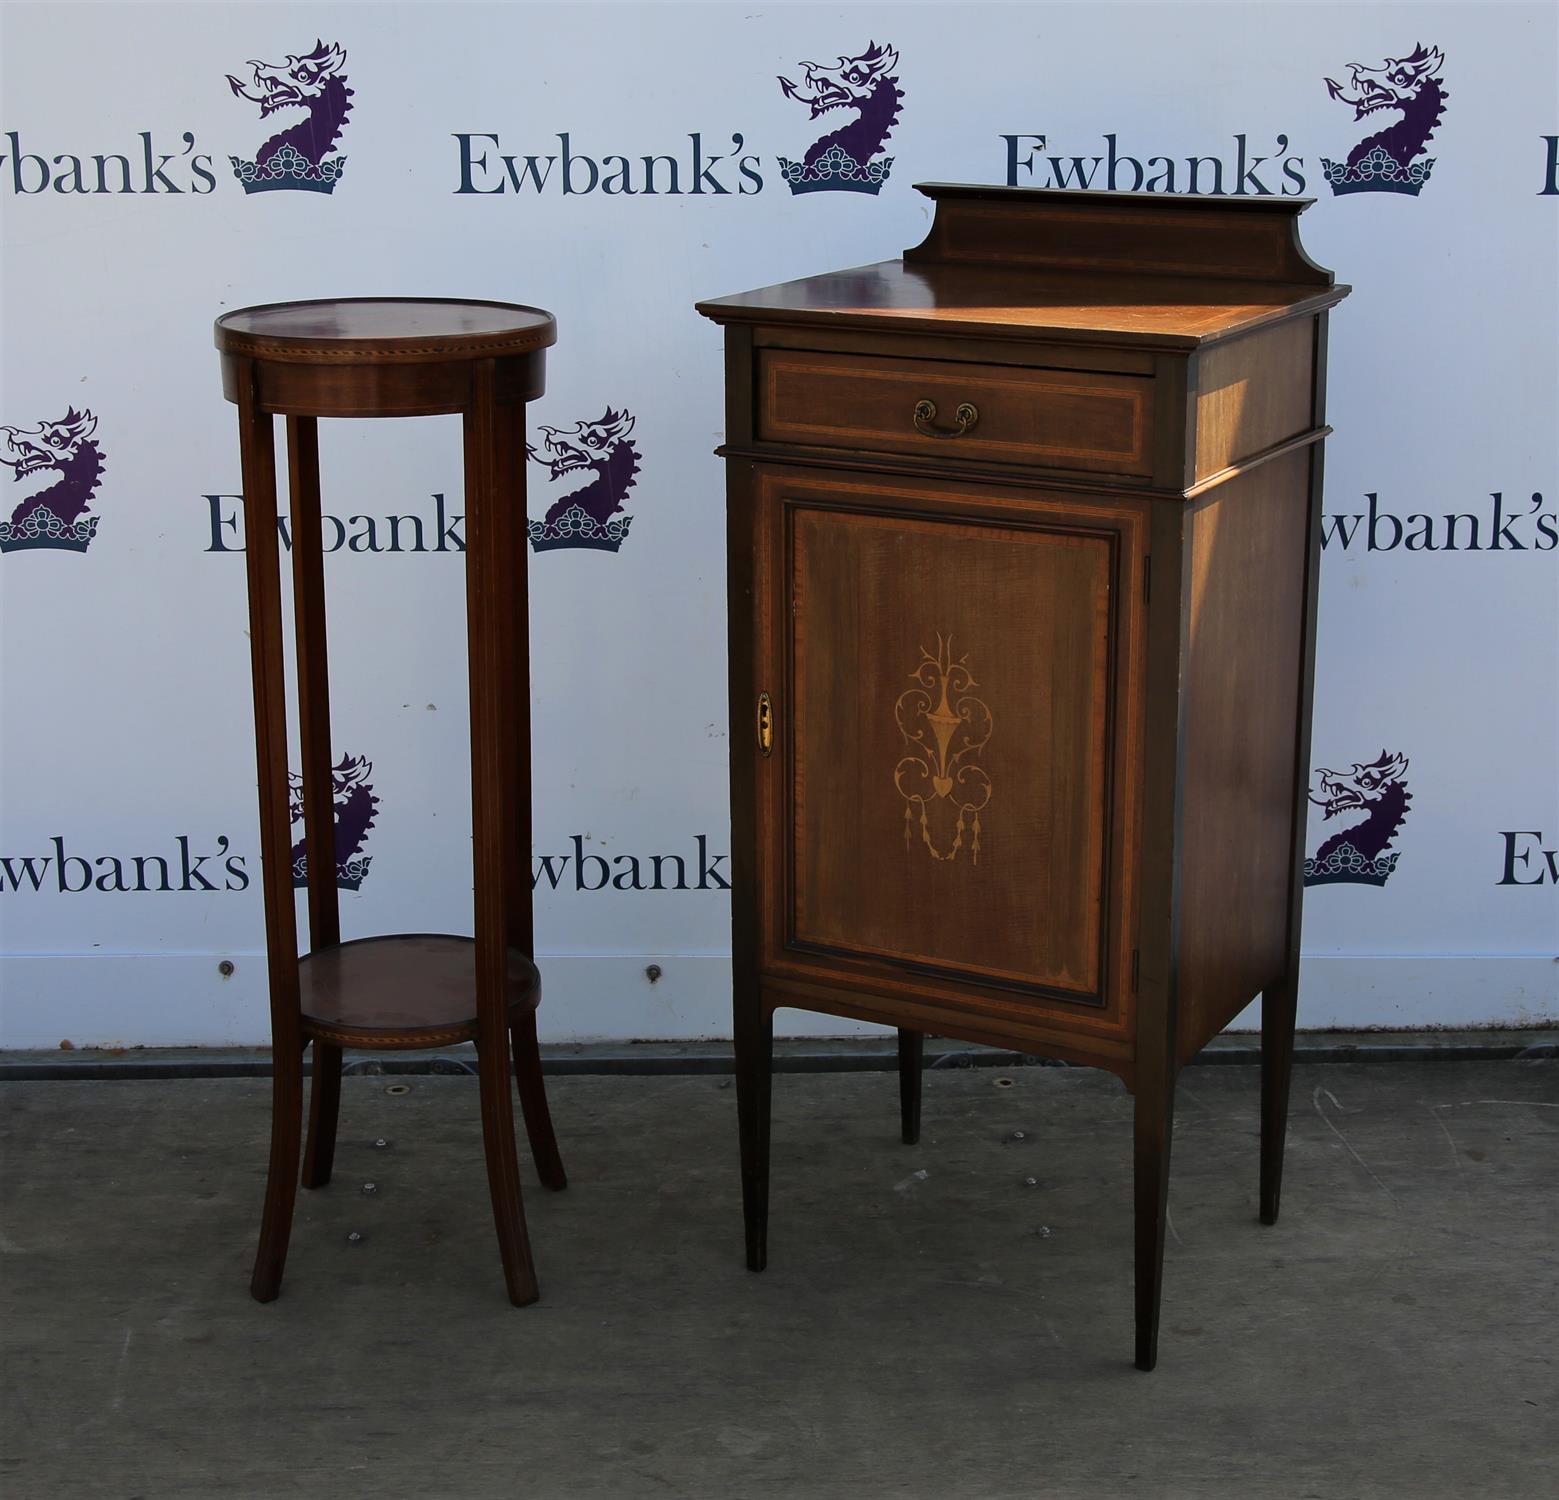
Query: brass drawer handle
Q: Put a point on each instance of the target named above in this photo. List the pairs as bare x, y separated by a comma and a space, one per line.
925, 414
765, 723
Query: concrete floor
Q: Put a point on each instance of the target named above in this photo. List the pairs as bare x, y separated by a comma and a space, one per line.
932, 1323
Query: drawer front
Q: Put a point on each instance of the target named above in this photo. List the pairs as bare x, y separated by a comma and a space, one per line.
1058, 419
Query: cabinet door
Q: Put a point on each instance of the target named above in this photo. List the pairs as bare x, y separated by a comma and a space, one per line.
946, 802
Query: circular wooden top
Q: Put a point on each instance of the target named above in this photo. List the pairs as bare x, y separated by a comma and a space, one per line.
384, 330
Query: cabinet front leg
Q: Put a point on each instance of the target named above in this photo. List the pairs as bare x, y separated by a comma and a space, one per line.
754, 1090
912, 1052
1155, 1107
1278, 1005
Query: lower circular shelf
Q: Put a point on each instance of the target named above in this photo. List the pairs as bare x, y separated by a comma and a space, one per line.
410, 989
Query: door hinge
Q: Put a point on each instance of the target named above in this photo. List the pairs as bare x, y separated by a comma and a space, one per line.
765, 723
1147, 577
1136, 967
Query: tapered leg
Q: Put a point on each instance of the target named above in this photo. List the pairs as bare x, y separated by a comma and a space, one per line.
1155, 1103
515, 761
533, 1101
262, 561
281, 1186
1279, 1002
912, 1051
308, 573
503, 1169
308, 589
489, 605
1277, 1065
754, 1091
319, 1150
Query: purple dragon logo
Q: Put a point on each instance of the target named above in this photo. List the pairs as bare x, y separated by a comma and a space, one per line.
1385, 162
54, 514
1360, 854
592, 515
354, 807
295, 158
842, 161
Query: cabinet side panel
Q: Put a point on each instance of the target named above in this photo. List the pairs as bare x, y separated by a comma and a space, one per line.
1247, 544
1252, 393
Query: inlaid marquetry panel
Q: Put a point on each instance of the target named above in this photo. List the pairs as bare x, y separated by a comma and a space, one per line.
1065, 419
947, 760
946, 728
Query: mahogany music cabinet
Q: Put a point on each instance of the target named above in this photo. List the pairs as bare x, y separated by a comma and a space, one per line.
1023, 543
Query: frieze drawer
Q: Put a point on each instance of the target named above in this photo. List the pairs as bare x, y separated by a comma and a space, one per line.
1062, 419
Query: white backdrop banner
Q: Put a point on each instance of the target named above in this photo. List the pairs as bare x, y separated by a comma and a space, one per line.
160, 164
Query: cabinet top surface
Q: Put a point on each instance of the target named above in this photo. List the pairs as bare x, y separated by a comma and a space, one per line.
1172, 312
1121, 268
366, 327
